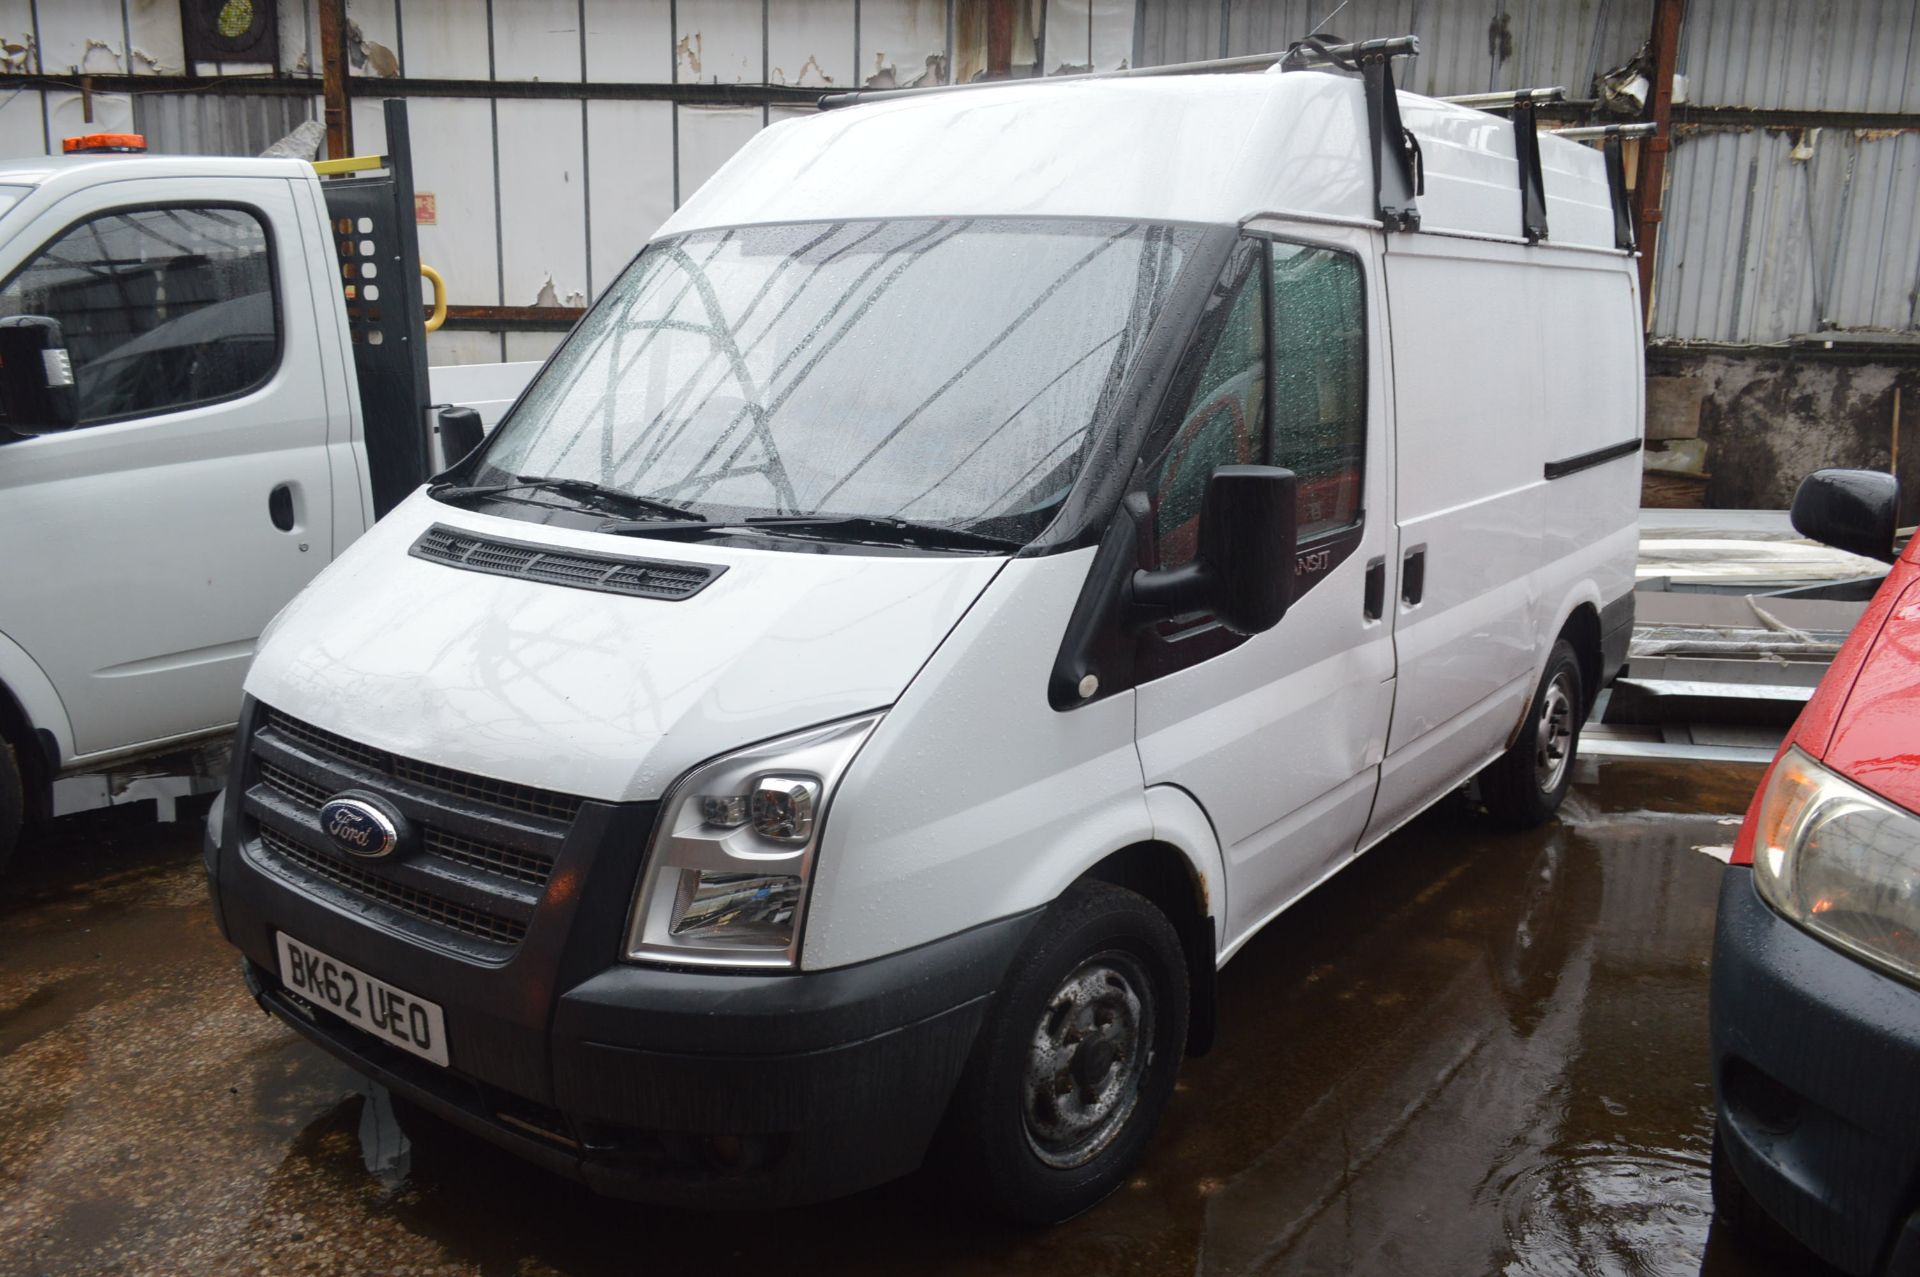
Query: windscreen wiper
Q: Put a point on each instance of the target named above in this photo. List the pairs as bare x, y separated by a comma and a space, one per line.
598, 494
868, 529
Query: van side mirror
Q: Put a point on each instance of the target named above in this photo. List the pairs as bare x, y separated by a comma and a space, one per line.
460, 433
1243, 572
1852, 510
38, 394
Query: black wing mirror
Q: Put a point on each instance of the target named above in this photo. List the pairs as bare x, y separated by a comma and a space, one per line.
1852, 510
1243, 572
37, 391
460, 434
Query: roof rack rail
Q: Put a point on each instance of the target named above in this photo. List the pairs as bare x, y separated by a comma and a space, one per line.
1506, 98
1398, 174
1212, 66
1581, 132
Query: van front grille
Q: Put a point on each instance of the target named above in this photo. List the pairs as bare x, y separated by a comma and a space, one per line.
638, 578
425, 906
470, 882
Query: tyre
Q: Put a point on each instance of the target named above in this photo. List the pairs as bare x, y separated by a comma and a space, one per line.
1523, 787
13, 803
1076, 1060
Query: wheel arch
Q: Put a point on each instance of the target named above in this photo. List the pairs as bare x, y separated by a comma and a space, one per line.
1178, 869
34, 722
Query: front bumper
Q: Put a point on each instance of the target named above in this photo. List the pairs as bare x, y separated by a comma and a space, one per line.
1814, 1057
717, 1090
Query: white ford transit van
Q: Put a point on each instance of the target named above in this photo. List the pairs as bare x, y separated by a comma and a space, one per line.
990, 554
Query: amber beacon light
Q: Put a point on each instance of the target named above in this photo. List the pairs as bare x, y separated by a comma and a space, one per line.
104, 144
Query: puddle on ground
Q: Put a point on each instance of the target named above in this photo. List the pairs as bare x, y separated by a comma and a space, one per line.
1471, 1053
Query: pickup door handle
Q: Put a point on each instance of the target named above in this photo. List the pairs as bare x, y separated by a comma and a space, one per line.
1413, 576
1376, 588
280, 507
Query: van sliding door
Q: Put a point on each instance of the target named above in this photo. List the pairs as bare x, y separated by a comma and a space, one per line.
1466, 320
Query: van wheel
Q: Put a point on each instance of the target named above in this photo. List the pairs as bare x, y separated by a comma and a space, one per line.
13, 803
1076, 1060
1523, 787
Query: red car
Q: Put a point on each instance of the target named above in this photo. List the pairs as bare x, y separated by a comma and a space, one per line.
1816, 958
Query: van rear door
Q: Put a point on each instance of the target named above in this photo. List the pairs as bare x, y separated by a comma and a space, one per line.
1279, 736
149, 545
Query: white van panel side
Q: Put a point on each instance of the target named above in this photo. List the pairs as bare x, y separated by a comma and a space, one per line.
975, 799
22, 675
1507, 359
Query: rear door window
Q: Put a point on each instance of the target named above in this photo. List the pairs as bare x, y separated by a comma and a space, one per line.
161, 308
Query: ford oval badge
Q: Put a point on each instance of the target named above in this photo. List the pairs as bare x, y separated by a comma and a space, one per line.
361, 825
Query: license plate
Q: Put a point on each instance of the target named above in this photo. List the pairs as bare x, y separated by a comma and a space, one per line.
390, 1014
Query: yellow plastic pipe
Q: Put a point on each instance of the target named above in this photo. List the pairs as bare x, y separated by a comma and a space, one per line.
439, 315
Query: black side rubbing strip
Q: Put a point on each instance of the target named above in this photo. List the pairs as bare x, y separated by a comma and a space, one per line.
1587, 460
638, 578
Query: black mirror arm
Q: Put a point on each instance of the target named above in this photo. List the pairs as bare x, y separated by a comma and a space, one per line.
1166, 593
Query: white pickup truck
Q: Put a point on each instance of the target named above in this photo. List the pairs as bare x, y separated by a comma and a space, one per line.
212, 379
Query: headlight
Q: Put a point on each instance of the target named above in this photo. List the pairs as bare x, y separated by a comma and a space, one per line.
727, 872
1841, 862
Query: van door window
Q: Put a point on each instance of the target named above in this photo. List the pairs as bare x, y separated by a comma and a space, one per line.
1320, 383
1224, 423
162, 308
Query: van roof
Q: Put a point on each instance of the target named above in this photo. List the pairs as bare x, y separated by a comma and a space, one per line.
1199, 148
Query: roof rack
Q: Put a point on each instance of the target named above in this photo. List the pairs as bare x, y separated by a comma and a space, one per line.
1398, 177
1398, 174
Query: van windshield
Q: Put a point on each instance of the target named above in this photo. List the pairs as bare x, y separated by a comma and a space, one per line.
942, 371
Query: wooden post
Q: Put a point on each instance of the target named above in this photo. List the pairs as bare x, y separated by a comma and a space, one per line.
1653, 150
333, 78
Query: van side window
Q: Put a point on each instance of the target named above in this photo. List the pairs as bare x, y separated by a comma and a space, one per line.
1224, 424
1320, 383
161, 308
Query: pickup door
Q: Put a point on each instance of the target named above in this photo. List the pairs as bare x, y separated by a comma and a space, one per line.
147, 547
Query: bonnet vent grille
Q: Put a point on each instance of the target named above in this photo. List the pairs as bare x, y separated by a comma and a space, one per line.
638, 578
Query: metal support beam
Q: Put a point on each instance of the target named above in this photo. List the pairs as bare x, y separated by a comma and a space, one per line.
1647, 194
333, 78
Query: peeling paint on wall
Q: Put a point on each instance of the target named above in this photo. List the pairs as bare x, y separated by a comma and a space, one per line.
16, 55
549, 295
686, 58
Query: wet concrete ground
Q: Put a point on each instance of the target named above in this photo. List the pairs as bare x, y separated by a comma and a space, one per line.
1471, 1053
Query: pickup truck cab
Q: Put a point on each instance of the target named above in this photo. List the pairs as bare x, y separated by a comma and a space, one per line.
1816, 958
990, 554
215, 451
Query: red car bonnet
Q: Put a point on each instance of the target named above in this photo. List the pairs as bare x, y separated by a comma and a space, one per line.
1872, 738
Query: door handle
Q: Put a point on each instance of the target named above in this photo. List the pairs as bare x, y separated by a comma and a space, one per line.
280, 507
1376, 601
1413, 576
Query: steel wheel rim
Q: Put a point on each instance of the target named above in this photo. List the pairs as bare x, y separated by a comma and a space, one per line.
1553, 735
1086, 1060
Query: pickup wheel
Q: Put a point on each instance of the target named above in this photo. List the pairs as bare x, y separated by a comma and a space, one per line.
13, 803
1076, 1060
1523, 787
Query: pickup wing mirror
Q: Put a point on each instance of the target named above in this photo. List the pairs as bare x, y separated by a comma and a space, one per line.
1243, 572
38, 394
1852, 510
